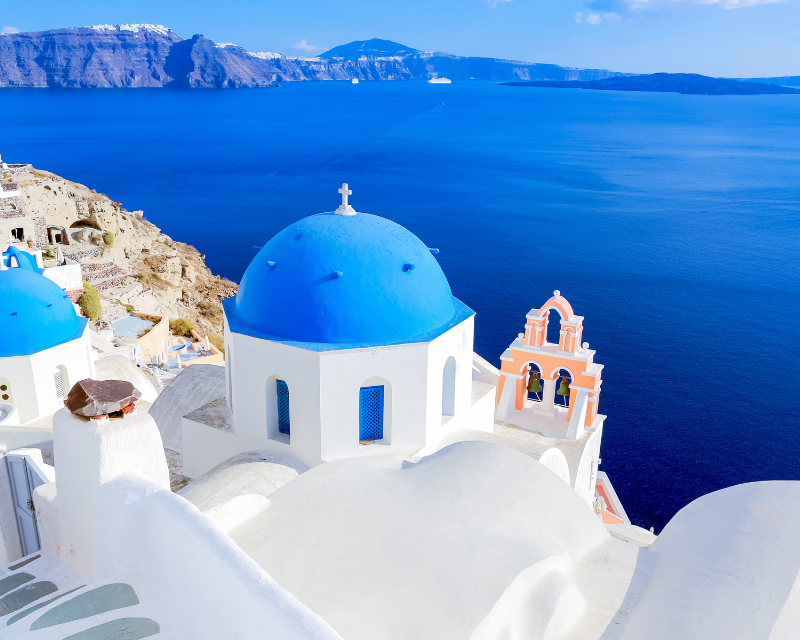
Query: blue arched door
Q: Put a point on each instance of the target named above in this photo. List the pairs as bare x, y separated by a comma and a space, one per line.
371, 413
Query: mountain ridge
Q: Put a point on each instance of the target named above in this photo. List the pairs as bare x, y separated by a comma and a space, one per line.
154, 56
374, 48
151, 55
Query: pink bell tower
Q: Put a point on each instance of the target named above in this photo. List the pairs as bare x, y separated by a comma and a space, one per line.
573, 426
570, 359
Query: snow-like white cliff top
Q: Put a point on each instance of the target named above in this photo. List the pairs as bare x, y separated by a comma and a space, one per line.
135, 28
265, 55
222, 45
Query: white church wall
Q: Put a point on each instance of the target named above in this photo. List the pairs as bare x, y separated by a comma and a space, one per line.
455, 343
324, 398
17, 374
401, 369
255, 365
189, 566
74, 359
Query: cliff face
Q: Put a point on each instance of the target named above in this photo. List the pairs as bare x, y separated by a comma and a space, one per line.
141, 265
86, 57
131, 56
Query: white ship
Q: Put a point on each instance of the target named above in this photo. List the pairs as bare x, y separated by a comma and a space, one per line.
439, 81
354, 81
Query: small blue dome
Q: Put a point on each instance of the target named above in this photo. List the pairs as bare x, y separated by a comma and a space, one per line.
349, 280
35, 314
14, 258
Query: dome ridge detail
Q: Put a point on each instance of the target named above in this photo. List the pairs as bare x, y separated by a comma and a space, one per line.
344, 280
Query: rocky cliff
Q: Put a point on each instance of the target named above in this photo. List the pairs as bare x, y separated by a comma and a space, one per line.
143, 55
137, 264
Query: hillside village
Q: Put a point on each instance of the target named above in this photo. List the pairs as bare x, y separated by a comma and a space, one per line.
121, 254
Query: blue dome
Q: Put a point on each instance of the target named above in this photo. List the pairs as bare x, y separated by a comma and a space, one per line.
24, 260
347, 280
35, 314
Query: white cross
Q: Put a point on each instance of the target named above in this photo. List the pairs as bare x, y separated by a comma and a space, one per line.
345, 192
345, 209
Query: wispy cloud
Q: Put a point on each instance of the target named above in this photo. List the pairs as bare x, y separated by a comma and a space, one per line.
9, 30
304, 46
631, 6
597, 18
738, 4
494, 3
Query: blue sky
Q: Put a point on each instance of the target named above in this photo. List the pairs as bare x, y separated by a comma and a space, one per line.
724, 37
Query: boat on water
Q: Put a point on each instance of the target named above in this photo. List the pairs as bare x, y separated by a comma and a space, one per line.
439, 81
354, 81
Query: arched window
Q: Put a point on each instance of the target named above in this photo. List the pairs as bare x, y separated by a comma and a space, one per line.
61, 382
371, 413
449, 387
5, 391
282, 392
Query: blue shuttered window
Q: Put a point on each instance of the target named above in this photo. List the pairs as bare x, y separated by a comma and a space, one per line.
283, 406
371, 414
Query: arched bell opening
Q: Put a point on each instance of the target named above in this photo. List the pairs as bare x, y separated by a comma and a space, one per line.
563, 379
535, 378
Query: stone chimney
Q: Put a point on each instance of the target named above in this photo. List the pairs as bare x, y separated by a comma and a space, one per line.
98, 436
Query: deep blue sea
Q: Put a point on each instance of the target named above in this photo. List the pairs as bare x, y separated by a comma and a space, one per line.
672, 223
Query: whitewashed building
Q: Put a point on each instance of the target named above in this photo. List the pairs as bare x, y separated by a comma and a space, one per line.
344, 340
45, 347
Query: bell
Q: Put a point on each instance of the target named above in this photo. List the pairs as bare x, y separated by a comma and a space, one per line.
563, 388
534, 384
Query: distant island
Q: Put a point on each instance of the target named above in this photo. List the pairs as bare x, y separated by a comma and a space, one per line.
154, 56
687, 83
150, 55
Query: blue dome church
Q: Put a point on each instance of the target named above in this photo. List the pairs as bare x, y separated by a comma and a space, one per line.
344, 340
45, 346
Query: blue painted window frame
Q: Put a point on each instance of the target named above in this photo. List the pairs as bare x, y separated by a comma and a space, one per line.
370, 419
284, 420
